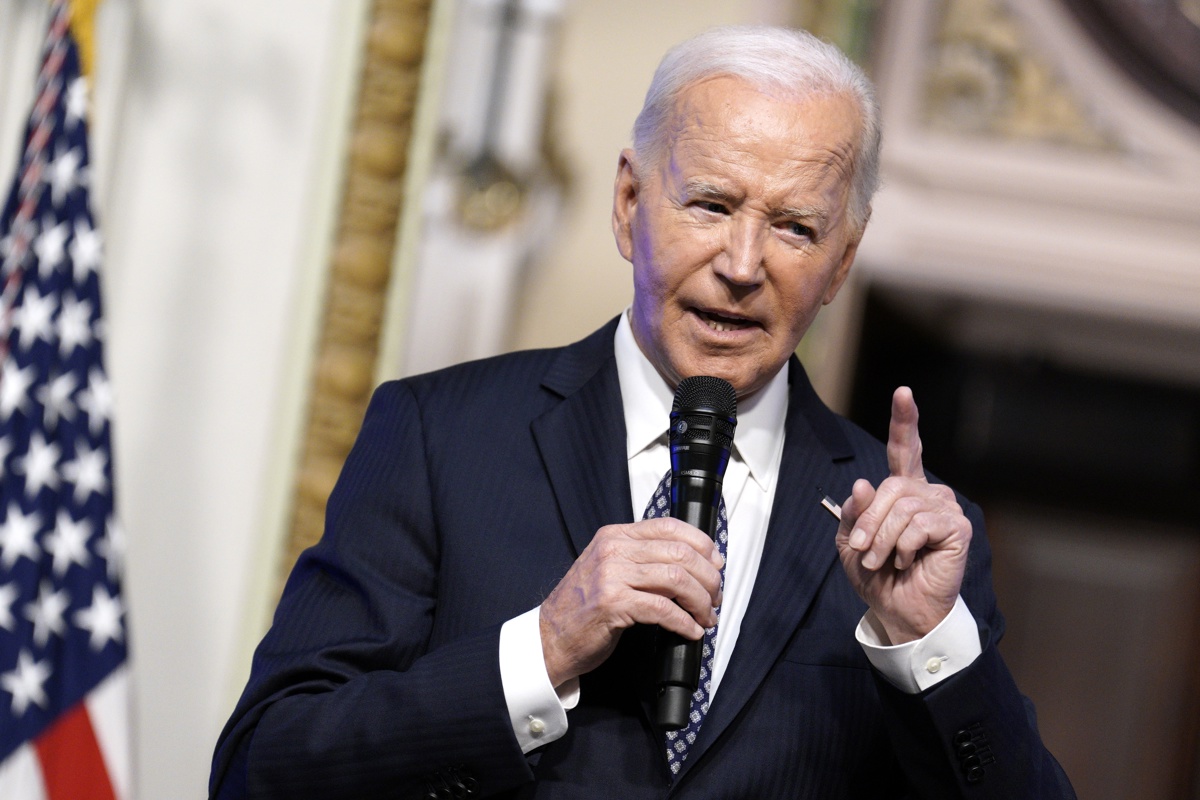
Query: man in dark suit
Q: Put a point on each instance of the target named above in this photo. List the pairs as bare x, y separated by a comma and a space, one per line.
480, 616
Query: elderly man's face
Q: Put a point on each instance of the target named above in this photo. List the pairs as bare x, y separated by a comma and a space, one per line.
741, 234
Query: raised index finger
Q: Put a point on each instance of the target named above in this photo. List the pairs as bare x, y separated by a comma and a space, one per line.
904, 442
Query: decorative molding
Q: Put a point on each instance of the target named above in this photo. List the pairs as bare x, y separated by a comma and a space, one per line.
985, 78
1028, 220
361, 263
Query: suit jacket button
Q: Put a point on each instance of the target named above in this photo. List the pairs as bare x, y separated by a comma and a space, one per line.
966, 749
974, 774
962, 737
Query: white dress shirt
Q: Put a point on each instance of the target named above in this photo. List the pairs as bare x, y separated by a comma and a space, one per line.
538, 711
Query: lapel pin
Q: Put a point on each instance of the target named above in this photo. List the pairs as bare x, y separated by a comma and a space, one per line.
830, 505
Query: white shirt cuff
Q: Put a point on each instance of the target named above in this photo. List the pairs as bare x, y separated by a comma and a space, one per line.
537, 711
916, 666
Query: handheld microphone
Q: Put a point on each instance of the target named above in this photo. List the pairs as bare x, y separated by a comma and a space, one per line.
703, 418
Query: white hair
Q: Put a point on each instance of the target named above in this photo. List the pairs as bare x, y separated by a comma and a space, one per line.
774, 58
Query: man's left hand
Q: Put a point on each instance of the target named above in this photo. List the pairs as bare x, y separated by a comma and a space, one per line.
904, 544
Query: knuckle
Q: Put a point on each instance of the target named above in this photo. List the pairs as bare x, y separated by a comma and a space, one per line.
607, 548
661, 606
607, 595
677, 552
676, 575
926, 522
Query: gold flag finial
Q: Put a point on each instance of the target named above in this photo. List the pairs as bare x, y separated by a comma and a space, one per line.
83, 26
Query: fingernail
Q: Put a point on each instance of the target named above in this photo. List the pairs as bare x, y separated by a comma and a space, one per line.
870, 560
858, 538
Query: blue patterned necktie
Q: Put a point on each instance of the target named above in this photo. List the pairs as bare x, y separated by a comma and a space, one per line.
678, 742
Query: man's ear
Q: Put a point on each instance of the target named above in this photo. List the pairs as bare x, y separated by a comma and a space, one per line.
625, 197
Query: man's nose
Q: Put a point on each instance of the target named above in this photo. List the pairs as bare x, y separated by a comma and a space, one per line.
741, 262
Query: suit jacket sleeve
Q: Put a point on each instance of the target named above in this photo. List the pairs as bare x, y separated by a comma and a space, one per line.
345, 697
973, 735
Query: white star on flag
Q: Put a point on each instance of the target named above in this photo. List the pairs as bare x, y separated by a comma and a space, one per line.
86, 249
14, 388
17, 536
32, 319
67, 543
86, 471
112, 549
51, 246
46, 613
39, 465
8, 595
102, 618
64, 175
55, 397
74, 325
96, 399
77, 100
25, 682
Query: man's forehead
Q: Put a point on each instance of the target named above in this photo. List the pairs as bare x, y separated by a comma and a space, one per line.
721, 148
741, 113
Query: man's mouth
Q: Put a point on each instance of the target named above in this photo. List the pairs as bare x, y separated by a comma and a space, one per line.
724, 322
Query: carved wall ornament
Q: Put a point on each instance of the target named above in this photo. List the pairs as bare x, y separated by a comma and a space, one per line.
361, 264
985, 79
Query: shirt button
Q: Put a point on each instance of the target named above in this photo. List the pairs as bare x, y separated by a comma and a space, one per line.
933, 665
536, 726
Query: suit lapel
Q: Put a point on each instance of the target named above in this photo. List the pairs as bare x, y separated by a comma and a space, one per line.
582, 439
798, 554
582, 443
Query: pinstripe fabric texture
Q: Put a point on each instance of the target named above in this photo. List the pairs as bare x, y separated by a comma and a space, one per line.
468, 495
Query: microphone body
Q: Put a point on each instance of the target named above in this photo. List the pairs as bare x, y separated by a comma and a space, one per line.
703, 418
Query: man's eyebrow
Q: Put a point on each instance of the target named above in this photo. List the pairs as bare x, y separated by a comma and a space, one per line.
817, 213
698, 187
702, 188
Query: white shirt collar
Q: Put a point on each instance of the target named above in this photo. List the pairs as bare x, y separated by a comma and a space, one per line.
647, 400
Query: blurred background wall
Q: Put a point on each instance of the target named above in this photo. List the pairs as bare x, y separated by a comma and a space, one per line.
1032, 268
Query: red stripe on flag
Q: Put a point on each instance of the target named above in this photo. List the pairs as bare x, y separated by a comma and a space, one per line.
72, 765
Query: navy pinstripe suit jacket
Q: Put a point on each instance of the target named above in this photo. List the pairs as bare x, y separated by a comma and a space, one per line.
469, 493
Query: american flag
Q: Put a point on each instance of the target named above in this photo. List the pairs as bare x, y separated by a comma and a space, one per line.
63, 672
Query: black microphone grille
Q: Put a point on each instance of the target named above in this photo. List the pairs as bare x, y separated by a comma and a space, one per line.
704, 392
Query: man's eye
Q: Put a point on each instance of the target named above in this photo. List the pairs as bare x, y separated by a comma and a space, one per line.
798, 229
714, 207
